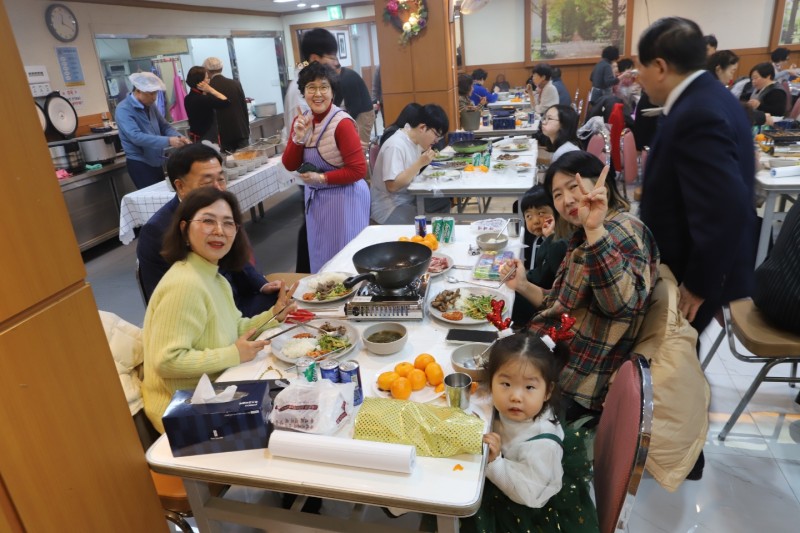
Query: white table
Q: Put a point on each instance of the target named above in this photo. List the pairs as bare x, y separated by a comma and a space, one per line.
501, 103
251, 189
525, 130
774, 187
433, 487
507, 182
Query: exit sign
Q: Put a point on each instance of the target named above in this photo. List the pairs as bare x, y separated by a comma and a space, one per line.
335, 13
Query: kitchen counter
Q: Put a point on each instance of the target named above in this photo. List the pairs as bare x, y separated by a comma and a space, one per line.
74, 181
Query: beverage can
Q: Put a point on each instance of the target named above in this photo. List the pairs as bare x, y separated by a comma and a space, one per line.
436, 228
487, 159
477, 160
350, 371
485, 120
420, 225
448, 230
307, 369
329, 369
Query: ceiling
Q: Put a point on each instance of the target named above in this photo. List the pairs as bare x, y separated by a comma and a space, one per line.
269, 6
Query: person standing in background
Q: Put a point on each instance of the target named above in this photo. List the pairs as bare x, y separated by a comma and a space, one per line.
353, 96
602, 77
377, 93
234, 120
144, 133
200, 104
563, 93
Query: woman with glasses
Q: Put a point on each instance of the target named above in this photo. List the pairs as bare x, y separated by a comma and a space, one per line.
324, 147
558, 132
192, 326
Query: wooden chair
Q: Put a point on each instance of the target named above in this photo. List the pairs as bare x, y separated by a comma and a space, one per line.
769, 346
621, 444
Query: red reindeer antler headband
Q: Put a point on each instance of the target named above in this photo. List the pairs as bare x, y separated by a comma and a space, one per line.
562, 333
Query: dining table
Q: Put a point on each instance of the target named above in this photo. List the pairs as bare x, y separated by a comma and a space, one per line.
448, 487
776, 188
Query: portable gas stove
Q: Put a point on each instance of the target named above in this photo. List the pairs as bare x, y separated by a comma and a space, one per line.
373, 302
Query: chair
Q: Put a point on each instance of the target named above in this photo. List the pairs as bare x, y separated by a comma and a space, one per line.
599, 146
767, 345
372, 155
795, 112
630, 158
788, 91
621, 444
140, 284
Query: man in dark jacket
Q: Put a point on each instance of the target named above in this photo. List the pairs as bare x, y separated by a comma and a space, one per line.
353, 95
234, 120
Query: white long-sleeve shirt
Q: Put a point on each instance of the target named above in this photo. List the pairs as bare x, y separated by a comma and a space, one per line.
528, 472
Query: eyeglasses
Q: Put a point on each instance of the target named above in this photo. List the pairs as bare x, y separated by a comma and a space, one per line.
321, 89
549, 119
228, 227
438, 136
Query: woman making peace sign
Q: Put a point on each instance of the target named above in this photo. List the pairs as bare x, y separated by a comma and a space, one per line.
604, 281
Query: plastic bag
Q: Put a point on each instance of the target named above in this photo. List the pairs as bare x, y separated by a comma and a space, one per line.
320, 407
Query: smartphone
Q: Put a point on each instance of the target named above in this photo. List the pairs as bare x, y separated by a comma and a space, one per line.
307, 167
463, 336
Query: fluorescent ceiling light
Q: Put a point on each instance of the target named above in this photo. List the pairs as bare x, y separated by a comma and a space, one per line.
283, 1
314, 5
301, 5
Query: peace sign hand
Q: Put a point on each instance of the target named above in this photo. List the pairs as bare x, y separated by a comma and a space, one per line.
593, 205
301, 124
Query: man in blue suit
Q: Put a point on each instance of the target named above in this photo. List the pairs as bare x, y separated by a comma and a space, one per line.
189, 168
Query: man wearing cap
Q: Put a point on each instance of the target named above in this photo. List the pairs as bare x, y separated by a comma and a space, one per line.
144, 132
234, 120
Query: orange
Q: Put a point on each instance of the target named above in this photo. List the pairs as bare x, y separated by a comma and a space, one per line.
469, 168
431, 237
433, 245
474, 386
416, 238
401, 389
418, 379
439, 387
386, 379
423, 360
403, 239
403, 369
434, 374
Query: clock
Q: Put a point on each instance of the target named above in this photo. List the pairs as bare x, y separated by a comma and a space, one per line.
61, 22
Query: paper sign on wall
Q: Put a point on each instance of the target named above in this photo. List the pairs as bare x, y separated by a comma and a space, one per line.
70, 64
74, 96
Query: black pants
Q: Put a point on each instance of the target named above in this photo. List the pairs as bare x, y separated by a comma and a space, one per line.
142, 174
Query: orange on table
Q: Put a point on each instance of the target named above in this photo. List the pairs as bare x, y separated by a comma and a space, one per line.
418, 379
403, 369
439, 387
434, 374
416, 238
401, 389
474, 386
484, 168
423, 360
457, 468
386, 379
404, 239
433, 245
469, 168
430, 237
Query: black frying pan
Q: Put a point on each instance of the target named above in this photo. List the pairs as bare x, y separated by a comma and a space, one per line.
390, 264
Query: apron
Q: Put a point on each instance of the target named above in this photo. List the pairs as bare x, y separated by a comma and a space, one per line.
335, 214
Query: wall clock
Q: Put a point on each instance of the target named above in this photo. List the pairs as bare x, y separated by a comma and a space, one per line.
61, 22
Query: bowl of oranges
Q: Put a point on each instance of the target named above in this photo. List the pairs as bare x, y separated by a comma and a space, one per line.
420, 381
385, 338
428, 240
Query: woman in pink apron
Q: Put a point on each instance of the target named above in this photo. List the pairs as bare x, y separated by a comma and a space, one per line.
326, 149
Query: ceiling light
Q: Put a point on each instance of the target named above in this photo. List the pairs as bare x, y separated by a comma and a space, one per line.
314, 5
283, 1
301, 5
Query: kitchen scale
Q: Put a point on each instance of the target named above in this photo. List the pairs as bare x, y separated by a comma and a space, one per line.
373, 302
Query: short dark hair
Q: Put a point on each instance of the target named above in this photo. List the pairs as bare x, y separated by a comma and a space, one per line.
406, 116
711, 40
588, 166
535, 197
176, 240
544, 70
181, 159
568, 126
317, 41
676, 40
610, 52
722, 59
556, 73
779, 54
317, 71
479, 74
765, 70
433, 116
195, 76
624, 64
464, 85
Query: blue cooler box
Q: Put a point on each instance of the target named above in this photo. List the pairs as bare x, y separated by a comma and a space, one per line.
241, 424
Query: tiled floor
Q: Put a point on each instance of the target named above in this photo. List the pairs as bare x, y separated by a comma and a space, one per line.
751, 480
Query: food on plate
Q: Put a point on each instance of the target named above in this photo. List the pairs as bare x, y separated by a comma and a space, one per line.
453, 315
476, 306
507, 157
524, 165
385, 336
446, 300
434, 373
304, 336
500, 166
454, 305
334, 329
386, 379
401, 389
438, 264
310, 345
418, 379
436, 174
326, 287
403, 369
294, 348
407, 378
423, 360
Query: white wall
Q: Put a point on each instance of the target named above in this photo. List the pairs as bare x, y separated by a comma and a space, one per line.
258, 70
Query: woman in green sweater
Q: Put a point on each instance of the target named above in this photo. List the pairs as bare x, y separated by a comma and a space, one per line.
192, 326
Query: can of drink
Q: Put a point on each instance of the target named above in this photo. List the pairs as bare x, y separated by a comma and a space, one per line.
329, 369
436, 228
485, 120
307, 369
477, 160
350, 371
487, 159
448, 230
420, 225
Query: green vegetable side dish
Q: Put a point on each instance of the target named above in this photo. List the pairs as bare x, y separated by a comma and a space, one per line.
437, 174
477, 307
337, 291
331, 343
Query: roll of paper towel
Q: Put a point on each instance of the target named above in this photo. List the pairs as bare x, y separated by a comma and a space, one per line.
348, 452
785, 172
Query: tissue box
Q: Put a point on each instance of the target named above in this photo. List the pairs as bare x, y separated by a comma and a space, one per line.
241, 424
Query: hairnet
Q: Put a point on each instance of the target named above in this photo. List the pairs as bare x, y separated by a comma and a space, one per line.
147, 82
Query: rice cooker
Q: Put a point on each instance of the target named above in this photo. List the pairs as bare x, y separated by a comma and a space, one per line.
98, 148
66, 155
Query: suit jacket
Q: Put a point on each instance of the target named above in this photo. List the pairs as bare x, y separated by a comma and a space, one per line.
246, 284
234, 120
698, 192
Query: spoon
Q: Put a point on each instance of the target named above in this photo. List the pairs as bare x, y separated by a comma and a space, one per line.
502, 229
511, 272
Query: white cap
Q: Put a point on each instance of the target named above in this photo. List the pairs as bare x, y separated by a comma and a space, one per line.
212, 63
147, 82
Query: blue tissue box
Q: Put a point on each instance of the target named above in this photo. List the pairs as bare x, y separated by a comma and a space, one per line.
241, 424
504, 123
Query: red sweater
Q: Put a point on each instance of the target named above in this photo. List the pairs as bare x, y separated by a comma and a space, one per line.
349, 144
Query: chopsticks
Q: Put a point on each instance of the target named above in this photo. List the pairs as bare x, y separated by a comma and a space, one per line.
319, 357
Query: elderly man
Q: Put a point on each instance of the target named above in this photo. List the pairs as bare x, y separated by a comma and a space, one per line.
233, 121
144, 132
190, 168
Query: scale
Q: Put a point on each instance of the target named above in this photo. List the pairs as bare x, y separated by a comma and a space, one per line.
373, 302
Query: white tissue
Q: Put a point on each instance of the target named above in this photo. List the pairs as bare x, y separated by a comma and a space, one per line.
785, 172
204, 393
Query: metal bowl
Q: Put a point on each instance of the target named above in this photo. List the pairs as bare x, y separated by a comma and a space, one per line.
463, 357
470, 147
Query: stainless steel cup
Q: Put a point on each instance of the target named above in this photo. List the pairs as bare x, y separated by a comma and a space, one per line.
457, 389
514, 227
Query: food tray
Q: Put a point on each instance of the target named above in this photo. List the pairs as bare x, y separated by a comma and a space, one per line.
783, 136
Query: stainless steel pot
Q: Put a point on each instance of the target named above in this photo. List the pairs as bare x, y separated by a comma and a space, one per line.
265, 110
66, 155
98, 148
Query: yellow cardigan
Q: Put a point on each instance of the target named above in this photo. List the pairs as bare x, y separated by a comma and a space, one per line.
190, 328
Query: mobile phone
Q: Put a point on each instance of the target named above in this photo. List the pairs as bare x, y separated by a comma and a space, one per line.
462, 336
307, 167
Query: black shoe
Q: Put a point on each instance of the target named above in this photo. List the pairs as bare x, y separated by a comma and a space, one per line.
696, 474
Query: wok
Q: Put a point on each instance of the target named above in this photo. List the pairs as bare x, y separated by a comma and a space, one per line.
391, 265
470, 147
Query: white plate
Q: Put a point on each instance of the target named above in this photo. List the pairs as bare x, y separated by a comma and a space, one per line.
440, 174
277, 343
467, 289
420, 396
308, 284
449, 264
443, 157
524, 167
515, 147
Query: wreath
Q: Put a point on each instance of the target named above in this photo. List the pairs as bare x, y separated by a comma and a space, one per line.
416, 22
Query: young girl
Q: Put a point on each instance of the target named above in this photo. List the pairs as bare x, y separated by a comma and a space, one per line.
559, 131
536, 476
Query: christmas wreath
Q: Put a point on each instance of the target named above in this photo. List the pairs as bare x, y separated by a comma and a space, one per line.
416, 21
